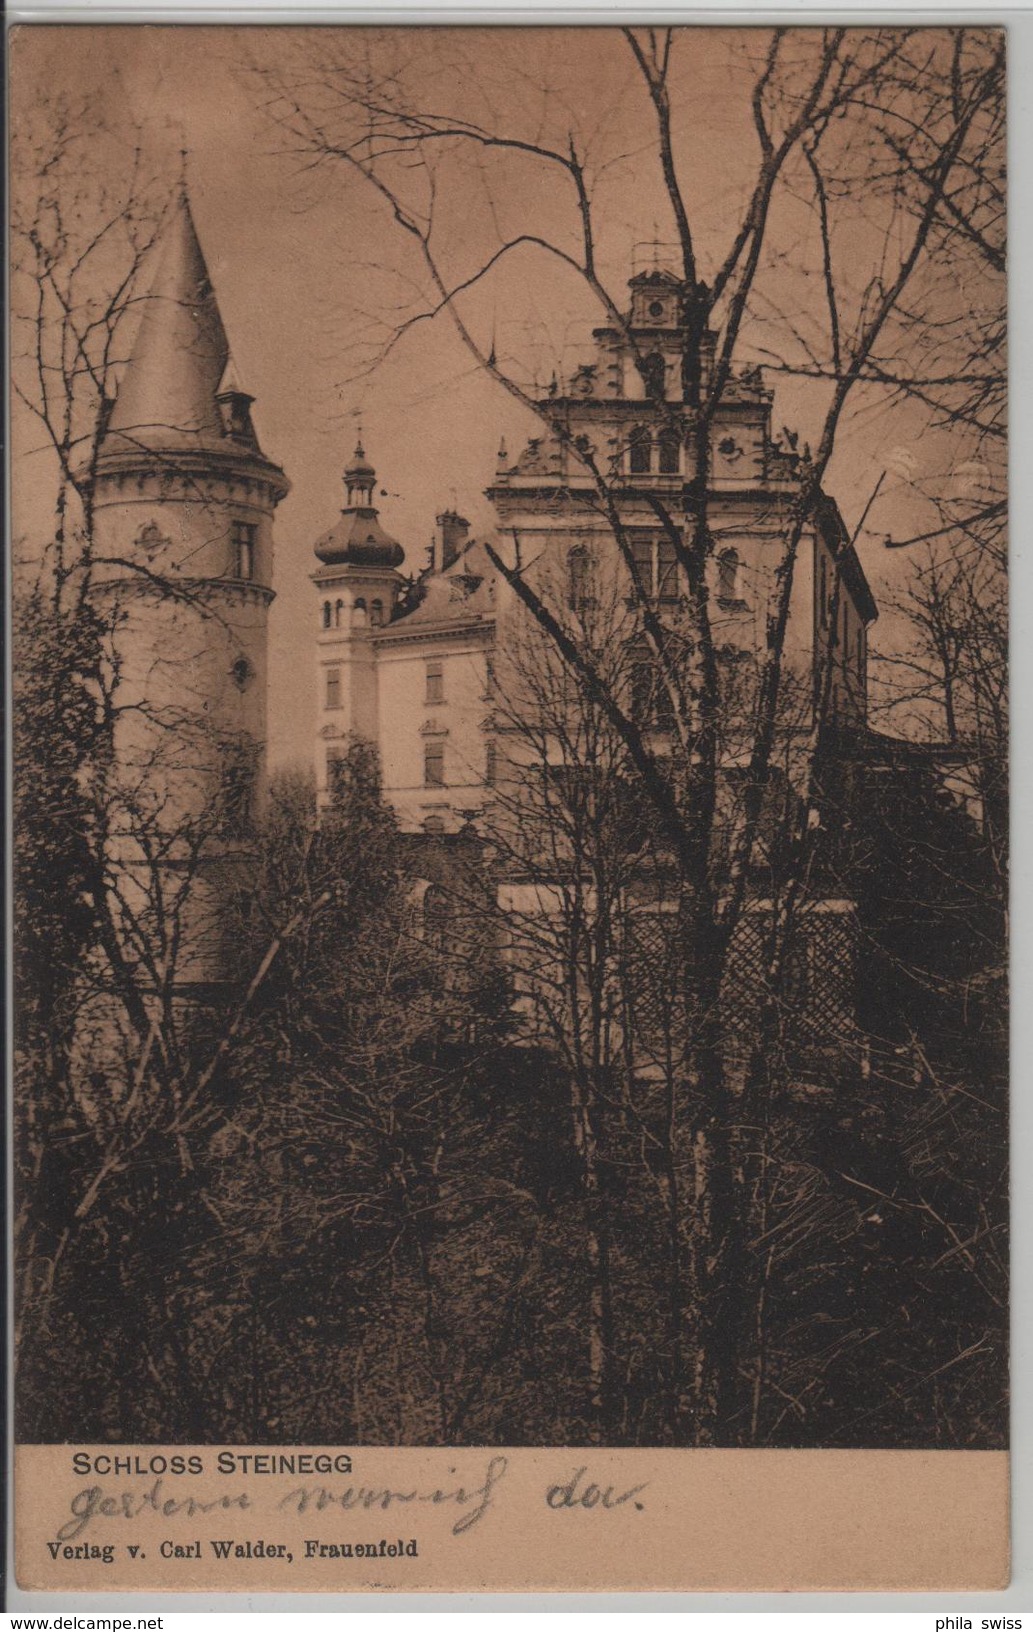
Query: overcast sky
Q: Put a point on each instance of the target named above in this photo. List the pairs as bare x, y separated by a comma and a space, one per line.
309, 268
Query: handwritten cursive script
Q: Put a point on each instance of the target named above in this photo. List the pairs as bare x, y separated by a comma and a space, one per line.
472, 1499
477, 1499
94, 1502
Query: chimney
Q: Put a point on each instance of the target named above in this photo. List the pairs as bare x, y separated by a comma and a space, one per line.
453, 530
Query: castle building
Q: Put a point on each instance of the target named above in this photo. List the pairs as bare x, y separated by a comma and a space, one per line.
183, 500
410, 667
407, 669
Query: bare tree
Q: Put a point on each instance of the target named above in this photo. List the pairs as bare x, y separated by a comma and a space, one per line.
809, 106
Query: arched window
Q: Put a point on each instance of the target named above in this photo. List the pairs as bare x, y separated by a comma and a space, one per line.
654, 376
359, 611
670, 453
376, 613
640, 450
338, 609
327, 614
728, 587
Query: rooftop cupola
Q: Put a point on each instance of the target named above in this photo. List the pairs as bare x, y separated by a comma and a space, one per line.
360, 479
358, 538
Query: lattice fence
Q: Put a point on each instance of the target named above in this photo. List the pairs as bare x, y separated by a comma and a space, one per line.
818, 978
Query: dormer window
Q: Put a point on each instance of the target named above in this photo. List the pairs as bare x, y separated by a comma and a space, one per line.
245, 534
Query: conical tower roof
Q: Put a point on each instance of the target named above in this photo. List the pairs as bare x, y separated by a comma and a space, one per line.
167, 398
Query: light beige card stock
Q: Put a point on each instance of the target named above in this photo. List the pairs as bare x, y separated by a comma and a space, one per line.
510, 807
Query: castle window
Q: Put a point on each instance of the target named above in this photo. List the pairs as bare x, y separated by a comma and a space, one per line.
338, 609
436, 911
435, 682
238, 777
242, 672
150, 539
656, 564
577, 578
327, 612
490, 764
359, 611
728, 586
489, 676
654, 376
651, 706
434, 765
335, 764
376, 613
244, 536
670, 453
640, 451
642, 555
666, 571
333, 687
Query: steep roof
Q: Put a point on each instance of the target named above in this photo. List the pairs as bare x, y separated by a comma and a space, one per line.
463, 593
167, 397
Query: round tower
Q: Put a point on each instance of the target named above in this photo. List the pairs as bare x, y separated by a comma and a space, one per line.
183, 503
357, 585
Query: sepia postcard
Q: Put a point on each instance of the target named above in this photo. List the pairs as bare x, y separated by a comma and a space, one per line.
510, 734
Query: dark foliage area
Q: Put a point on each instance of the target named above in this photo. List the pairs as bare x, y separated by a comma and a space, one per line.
380, 1227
